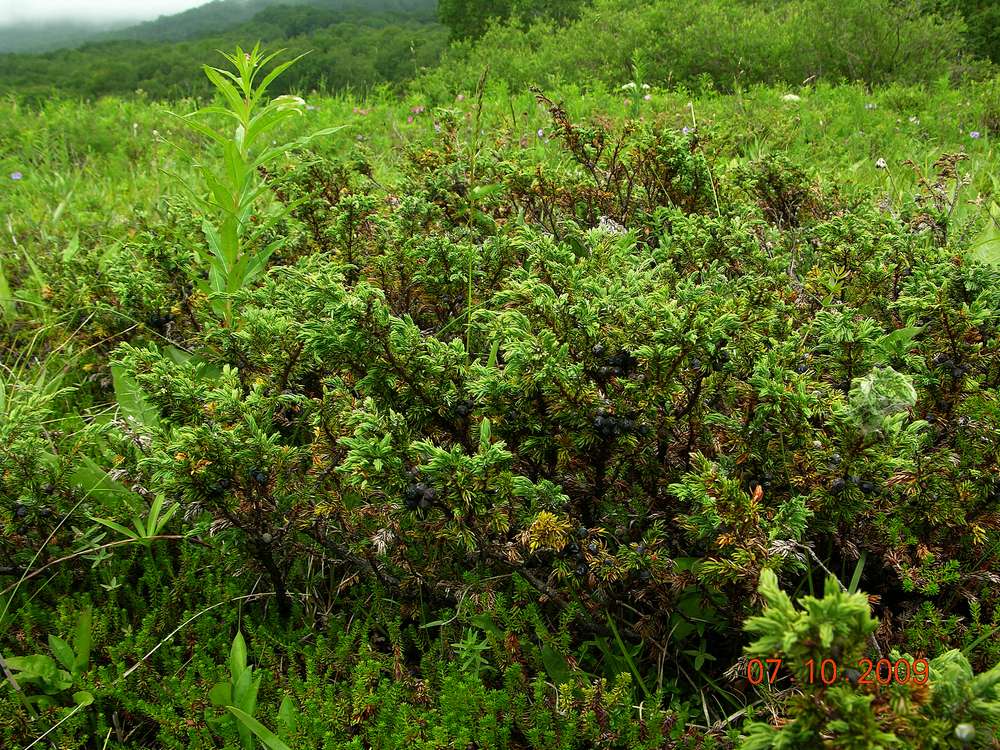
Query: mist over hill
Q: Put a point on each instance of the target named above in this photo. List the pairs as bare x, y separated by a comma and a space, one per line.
215, 17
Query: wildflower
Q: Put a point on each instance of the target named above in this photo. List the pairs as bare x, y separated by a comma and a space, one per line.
16, 175
629, 86
437, 127
460, 98
417, 110
288, 101
647, 98
628, 102
311, 108
409, 120
791, 98
914, 120
685, 130
975, 134
645, 87
541, 133
880, 163
965, 732
870, 105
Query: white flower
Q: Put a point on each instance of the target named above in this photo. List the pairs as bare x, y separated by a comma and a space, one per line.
645, 87
288, 101
791, 98
880, 163
628, 86
607, 224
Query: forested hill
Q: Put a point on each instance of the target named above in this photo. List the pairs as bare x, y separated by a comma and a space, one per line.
351, 44
220, 16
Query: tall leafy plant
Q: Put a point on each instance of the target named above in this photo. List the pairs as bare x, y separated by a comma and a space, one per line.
237, 253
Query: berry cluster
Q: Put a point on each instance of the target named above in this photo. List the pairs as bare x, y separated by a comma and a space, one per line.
418, 495
619, 364
158, 321
840, 484
610, 426
957, 370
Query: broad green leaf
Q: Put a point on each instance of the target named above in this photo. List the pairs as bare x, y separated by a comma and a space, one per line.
82, 641
237, 657
95, 482
221, 694
62, 651
131, 399
6, 297
83, 698
986, 247
555, 665
265, 735
287, 716
70, 251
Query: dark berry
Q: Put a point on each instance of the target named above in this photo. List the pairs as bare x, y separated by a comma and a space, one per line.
854, 479
835, 459
598, 350
940, 359
582, 532
44, 512
224, 484
20, 510
571, 549
258, 476
645, 430
867, 488
644, 575
696, 364
838, 485
592, 548
581, 570
462, 410
413, 494
957, 372
48, 489
640, 550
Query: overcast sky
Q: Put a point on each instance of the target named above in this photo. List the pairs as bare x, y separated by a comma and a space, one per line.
18, 11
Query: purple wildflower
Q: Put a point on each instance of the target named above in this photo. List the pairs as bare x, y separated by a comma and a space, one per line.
975, 134
541, 133
16, 175
685, 130
409, 120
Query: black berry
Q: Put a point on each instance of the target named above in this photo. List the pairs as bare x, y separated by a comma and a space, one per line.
838, 485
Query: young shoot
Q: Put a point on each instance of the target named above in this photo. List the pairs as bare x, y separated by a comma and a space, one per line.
237, 253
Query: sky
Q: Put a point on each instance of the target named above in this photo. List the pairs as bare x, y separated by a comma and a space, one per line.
21, 11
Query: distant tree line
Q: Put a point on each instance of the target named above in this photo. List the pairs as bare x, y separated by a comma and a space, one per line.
348, 49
